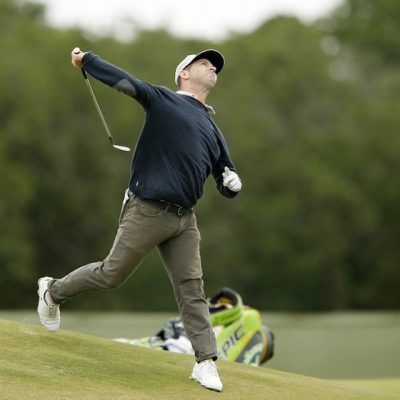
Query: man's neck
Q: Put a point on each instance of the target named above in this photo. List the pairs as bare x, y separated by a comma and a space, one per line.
207, 106
197, 94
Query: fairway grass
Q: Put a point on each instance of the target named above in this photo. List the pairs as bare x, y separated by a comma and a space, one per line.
35, 364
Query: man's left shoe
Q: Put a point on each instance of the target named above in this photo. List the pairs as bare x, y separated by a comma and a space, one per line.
206, 374
49, 313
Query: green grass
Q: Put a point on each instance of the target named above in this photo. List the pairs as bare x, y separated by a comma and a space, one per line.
35, 364
348, 345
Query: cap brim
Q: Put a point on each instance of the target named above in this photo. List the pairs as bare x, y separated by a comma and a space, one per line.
214, 56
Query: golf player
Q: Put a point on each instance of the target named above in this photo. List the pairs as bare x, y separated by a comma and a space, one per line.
179, 147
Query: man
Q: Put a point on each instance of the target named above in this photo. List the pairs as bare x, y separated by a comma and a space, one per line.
178, 148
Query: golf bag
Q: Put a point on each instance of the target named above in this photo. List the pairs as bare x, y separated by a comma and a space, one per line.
241, 336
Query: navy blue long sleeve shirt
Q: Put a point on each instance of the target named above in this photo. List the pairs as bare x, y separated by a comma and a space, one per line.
179, 146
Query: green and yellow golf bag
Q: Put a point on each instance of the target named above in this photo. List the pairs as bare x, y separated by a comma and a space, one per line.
241, 336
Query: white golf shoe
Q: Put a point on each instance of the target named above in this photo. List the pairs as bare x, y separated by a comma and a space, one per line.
206, 374
49, 313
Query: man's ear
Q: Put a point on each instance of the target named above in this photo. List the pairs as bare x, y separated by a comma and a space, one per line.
184, 74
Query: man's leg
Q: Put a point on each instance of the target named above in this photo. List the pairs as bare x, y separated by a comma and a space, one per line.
142, 227
181, 257
129, 248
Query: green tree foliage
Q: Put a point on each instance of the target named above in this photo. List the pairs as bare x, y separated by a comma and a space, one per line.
310, 114
372, 26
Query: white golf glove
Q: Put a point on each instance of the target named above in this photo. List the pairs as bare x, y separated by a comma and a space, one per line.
231, 180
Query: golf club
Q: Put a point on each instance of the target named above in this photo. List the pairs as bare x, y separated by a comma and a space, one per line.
110, 137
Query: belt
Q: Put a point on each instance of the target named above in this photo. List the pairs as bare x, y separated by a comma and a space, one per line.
166, 206
173, 208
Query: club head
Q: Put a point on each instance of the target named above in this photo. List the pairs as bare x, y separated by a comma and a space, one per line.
122, 148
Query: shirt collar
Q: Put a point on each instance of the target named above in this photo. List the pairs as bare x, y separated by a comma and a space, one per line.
208, 107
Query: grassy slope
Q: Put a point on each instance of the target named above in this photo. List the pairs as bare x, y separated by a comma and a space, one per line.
35, 364
348, 345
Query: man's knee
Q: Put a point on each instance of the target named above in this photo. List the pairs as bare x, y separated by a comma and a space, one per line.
190, 291
113, 278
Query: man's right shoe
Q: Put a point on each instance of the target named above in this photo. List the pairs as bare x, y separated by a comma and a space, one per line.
206, 374
49, 313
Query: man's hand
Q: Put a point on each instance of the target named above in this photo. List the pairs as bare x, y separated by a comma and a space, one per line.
231, 180
76, 57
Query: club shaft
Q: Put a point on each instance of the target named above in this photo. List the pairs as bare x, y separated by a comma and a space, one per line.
99, 111
103, 120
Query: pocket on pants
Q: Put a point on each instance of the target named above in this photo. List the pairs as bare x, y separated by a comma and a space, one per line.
148, 209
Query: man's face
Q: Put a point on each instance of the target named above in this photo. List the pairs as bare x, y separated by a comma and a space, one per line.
203, 71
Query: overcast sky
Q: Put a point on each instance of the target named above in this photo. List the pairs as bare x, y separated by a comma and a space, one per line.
211, 20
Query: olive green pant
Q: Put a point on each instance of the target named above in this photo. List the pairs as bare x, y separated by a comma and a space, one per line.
143, 226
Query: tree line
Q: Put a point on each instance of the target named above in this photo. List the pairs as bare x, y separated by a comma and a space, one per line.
310, 113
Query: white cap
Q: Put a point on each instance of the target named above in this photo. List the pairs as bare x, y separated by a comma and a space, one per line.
214, 56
